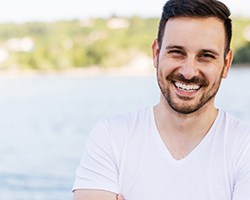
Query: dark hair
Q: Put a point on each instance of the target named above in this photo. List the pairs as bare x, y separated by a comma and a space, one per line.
196, 8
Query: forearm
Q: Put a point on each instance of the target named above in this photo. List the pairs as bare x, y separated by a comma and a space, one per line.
84, 194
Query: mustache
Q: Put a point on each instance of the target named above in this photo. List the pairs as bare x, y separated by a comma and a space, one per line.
194, 80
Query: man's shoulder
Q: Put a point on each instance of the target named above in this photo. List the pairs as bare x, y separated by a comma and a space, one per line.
121, 125
116, 130
237, 131
235, 123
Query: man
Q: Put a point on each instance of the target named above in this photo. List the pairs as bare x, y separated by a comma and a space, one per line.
183, 148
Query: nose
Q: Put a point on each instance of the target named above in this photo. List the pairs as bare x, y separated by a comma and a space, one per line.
189, 68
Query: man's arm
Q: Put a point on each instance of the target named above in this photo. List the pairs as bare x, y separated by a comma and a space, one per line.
98, 174
83, 194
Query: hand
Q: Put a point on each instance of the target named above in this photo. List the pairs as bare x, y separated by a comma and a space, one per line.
119, 197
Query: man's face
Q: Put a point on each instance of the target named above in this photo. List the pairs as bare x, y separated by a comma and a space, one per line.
191, 62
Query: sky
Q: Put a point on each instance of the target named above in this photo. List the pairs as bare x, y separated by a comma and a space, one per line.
51, 10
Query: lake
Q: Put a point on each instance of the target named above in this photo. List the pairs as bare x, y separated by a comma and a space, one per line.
45, 120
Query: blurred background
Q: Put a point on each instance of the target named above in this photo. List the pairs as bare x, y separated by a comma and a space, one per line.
64, 65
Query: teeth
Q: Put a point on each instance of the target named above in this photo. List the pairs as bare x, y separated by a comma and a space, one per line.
188, 88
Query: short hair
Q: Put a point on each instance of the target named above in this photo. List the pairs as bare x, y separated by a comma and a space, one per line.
196, 8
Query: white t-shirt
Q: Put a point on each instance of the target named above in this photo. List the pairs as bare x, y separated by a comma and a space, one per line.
126, 155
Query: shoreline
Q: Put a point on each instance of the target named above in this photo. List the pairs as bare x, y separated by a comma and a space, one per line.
88, 72
76, 72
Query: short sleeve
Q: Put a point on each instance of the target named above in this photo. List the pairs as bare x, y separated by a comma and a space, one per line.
98, 168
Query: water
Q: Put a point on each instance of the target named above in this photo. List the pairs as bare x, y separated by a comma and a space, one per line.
44, 122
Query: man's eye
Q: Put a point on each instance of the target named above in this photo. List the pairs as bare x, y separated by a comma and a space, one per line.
207, 56
176, 52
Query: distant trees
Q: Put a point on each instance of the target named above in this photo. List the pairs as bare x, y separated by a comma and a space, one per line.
58, 45
242, 55
98, 42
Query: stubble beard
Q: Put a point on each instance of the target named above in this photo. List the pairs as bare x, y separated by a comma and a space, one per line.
185, 107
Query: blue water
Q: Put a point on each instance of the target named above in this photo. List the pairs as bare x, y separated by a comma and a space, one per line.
44, 122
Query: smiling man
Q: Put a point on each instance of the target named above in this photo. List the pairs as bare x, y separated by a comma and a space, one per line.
184, 147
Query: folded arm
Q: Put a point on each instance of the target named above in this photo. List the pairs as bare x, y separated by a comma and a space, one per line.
83, 194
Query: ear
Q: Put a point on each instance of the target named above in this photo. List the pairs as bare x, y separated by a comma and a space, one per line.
155, 51
228, 63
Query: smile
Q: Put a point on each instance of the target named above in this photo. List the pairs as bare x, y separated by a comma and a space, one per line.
186, 87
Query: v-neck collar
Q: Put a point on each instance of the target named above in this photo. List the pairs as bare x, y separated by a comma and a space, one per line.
196, 150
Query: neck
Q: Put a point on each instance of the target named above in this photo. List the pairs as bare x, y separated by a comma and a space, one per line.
197, 124
176, 122
181, 133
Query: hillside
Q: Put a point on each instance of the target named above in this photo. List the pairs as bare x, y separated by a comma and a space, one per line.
103, 43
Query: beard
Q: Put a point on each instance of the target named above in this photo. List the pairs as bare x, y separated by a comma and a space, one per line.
186, 106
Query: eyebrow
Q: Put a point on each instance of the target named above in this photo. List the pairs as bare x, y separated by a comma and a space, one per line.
174, 47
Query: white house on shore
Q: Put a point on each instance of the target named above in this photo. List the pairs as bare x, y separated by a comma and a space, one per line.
25, 44
117, 23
